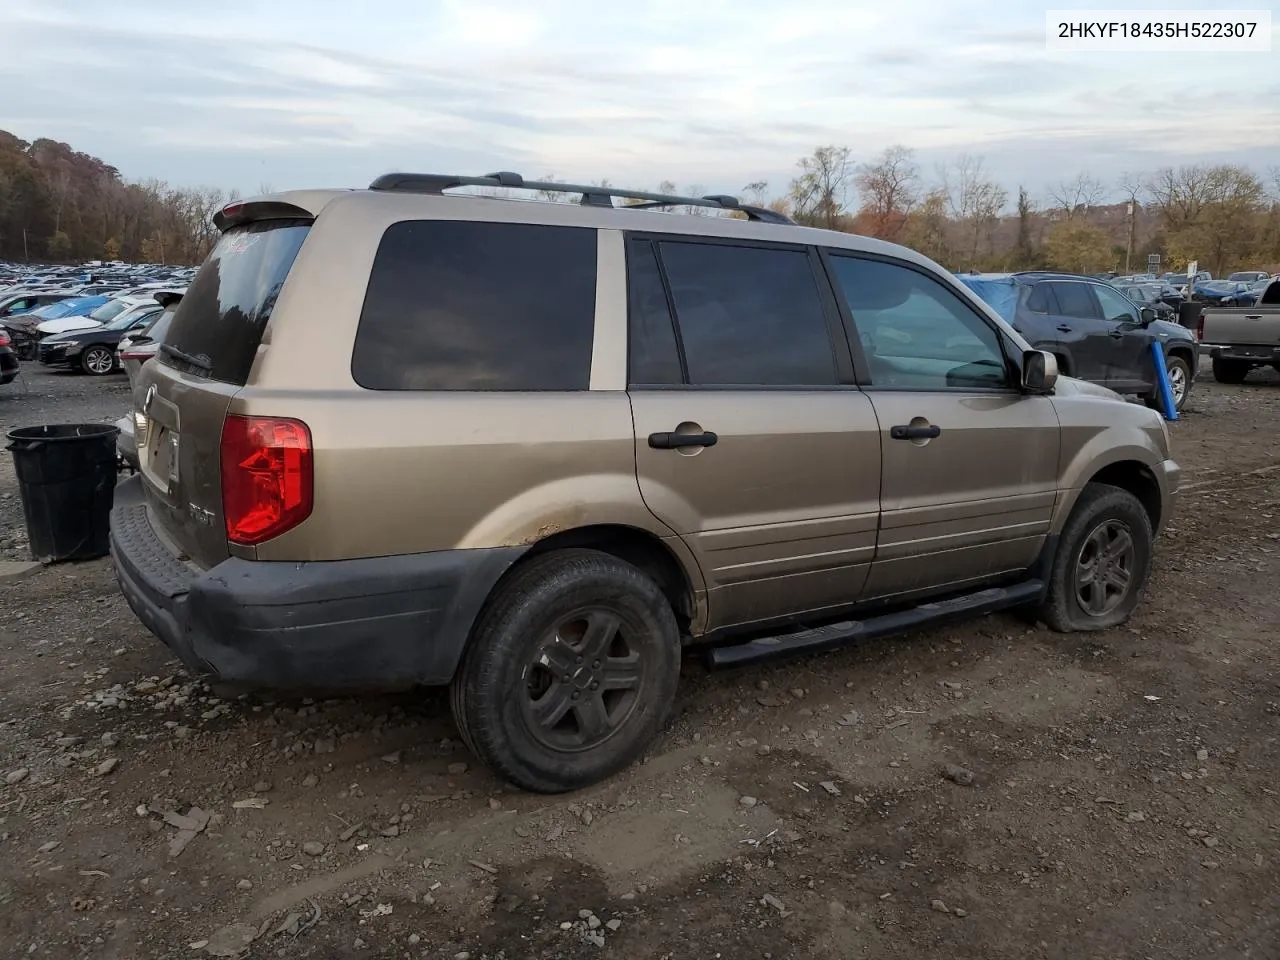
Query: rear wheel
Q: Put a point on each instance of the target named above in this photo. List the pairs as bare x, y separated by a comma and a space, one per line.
1102, 564
571, 671
1230, 371
98, 361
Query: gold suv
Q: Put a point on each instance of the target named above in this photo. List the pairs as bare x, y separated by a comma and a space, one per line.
532, 450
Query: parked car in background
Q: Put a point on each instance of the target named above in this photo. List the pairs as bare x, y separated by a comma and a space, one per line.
1149, 295
1250, 276
136, 348
140, 344
1222, 293
93, 351
107, 312
24, 328
14, 303
1095, 332
1255, 292
1242, 339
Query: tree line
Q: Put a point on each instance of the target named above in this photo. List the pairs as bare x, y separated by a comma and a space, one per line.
60, 205
65, 206
1224, 216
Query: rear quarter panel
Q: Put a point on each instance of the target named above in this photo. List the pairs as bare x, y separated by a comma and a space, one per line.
400, 472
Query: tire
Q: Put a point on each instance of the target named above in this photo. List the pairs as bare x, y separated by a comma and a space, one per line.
1230, 371
550, 731
1179, 370
98, 361
1101, 511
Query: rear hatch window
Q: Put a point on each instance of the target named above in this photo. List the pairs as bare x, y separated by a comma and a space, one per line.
216, 329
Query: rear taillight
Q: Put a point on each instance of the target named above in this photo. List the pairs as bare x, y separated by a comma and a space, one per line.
1200, 325
266, 477
136, 355
5, 340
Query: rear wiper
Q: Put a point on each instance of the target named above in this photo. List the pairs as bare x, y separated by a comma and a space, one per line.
198, 362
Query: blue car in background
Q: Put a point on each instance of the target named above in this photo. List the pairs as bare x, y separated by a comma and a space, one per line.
22, 328
1095, 332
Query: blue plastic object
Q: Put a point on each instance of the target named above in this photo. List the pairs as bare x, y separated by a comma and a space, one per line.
1162, 382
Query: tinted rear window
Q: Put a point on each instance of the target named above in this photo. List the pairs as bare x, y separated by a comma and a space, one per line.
217, 327
478, 306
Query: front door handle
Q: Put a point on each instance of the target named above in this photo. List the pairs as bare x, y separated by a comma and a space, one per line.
674, 441
915, 431
1063, 328
1116, 334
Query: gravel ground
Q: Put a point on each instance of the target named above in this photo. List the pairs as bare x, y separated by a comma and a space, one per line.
984, 790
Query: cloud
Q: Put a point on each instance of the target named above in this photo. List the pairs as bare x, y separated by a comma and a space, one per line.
719, 93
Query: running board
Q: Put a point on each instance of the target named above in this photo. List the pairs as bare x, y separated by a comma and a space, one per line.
838, 634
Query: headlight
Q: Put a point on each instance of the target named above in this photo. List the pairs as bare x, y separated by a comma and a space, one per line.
67, 343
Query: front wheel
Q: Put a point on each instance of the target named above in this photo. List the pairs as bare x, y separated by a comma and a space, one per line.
571, 671
1179, 372
1102, 564
98, 361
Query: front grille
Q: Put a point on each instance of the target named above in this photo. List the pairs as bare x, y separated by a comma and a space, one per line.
51, 353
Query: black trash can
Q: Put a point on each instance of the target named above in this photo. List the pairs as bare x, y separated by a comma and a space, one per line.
67, 477
1189, 313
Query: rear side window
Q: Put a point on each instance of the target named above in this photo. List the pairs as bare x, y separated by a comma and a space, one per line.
1075, 300
748, 316
1040, 299
218, 326
463, 305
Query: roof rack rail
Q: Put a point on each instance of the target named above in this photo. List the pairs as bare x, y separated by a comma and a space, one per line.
592, 196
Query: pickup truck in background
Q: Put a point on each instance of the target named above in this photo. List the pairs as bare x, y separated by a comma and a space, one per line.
1241, 338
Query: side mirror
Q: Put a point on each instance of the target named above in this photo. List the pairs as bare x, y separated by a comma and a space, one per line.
1039, 371
1147, 315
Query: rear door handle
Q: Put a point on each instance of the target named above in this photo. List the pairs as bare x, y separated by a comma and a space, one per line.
1253, 316
674, 441
1116, 334
915, 432
1063, 328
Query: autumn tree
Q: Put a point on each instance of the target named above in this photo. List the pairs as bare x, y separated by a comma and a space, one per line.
889, 188
1077, 246
111, 249
820, 193
927, 229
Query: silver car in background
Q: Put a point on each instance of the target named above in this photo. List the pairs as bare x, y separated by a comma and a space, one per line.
135, 350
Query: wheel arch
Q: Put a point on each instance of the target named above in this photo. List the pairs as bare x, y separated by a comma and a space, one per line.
660, 558
1138, 479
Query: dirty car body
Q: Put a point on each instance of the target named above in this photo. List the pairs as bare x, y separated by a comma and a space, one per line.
574, 413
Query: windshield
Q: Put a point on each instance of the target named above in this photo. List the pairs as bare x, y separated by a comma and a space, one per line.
108, 310
1218, 286
54, 310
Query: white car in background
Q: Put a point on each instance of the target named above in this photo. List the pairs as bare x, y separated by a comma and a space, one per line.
113, 309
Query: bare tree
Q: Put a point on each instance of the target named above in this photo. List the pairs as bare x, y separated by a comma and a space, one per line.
1131, 187
1180, 194
819, 195
1074, 197
974, 200
890, 188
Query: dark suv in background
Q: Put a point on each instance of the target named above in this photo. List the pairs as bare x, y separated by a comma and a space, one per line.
1096, 332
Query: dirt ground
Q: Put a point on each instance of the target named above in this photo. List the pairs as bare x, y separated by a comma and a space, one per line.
1125, 801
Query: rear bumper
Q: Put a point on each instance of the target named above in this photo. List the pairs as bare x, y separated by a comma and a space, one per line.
370, 624
1246, 353
8, 366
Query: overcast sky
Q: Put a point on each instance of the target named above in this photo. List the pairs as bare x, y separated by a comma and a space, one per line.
715, 93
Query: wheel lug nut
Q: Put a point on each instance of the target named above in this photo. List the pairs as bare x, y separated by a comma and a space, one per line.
596, 665
575, 695
579, 659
